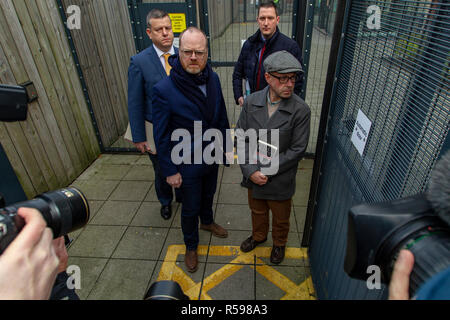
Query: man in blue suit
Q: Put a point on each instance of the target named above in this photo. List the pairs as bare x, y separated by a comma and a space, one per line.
146, 69
192, 95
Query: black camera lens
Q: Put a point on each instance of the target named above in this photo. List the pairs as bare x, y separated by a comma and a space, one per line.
378, 231
64, 211
431, 249
165, 290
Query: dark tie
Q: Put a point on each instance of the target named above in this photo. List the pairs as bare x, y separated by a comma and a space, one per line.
259, 67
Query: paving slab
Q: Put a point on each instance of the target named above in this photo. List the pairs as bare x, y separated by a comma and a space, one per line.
97, 241
300, 217
233, 194
228, 282
90, 270
94, 207
151, 195
127, 159
123, 280
143, 243
106, 172
127, 246
282, 283
116, 213
96, 189
140, 173
232, 174
131, 191
234, 216
149, 215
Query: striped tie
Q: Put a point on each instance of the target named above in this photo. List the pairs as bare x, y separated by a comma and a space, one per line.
168, 66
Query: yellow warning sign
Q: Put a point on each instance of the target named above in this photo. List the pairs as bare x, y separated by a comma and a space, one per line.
178, 22
171, 271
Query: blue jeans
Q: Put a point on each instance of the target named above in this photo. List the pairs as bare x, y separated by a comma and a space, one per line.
163, 189
198, 195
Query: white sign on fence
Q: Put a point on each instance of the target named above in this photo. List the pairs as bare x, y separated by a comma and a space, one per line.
361, 132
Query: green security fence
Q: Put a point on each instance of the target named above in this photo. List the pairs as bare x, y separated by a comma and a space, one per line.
398, 77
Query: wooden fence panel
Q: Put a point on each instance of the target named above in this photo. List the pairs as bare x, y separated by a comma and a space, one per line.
67, 68
57, 141
104, 46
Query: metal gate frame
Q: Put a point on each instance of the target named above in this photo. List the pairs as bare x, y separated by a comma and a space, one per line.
332, 156
336, 52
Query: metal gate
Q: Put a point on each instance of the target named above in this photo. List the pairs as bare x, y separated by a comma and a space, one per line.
391, 84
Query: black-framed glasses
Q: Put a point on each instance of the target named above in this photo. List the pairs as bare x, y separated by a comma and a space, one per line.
189, 53
284, 79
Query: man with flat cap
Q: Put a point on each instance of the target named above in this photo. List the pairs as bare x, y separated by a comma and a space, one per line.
275, 108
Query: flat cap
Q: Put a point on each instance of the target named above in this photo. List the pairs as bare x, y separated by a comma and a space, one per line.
282, 62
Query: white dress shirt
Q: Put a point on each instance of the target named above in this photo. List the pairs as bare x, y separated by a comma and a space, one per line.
161, 55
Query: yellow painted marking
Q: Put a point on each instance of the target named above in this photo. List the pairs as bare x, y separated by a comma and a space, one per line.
171, 271
293, 292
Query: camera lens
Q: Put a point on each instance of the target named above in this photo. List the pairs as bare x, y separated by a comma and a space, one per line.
165, 290
431, 249
64, 211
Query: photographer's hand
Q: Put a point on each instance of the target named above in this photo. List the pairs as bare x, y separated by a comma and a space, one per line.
399, 285
29, 266
61, 253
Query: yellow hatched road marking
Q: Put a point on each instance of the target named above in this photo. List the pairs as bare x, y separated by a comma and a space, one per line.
171, 271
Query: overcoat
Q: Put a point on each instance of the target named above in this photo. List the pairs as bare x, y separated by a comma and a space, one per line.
171, 111
292, 119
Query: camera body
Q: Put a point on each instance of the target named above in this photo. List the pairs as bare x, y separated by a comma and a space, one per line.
377, 232
14, 102
64, 210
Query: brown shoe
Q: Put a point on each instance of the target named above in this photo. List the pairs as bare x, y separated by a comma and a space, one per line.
215, 229
249, 244
191, 260
277, 254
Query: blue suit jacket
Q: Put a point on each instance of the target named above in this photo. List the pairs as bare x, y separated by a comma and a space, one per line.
171, 111
144, 72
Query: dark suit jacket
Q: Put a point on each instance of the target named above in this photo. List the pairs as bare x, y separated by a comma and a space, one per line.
144, 72
247, 64
171, 111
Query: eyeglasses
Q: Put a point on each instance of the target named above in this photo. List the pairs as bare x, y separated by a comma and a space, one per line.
284, 79
188, 53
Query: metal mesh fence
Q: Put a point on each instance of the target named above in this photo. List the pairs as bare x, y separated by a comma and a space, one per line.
398, 76
231, 22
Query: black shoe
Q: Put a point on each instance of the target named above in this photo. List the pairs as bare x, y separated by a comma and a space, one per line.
277, 254
249, 244
166, 212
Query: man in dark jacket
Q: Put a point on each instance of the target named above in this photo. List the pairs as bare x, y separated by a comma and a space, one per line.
284, 114
191, 95
146, 69
267, 40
